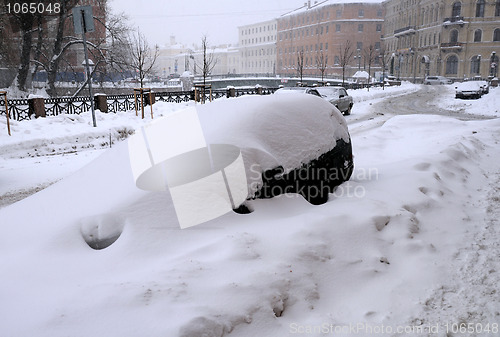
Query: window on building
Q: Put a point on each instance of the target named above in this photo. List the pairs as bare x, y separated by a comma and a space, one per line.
477, 35
377, 45
337, 27
480, 9
339, 13
359, 45
497, 8
336, 60
379, 27
454, 36
379, 13
496, 34
361, 13
456, 9
475, 64
452, 65
326, 46
360, 27
327, 26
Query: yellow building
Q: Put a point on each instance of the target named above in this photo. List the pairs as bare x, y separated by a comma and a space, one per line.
452, 38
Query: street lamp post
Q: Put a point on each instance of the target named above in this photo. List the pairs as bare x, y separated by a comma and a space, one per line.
493, 64
414, 65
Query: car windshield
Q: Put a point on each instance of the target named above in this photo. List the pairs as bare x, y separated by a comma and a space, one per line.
329, 92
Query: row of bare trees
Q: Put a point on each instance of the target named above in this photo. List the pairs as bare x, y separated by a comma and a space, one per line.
346, 53
43, 42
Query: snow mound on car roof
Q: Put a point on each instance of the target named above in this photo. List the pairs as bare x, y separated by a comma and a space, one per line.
274, 130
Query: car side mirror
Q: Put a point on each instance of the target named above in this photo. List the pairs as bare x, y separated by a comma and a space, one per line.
340, 96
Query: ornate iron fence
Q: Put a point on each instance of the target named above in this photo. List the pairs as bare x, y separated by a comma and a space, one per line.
68, 105
174, 97
120, 103
19, 109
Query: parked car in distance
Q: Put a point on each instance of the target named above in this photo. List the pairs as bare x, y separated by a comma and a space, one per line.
430, 80
471, 89
304, 90
392, 80
338, 97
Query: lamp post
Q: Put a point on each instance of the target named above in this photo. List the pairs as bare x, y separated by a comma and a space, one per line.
359, 60
493, 64
413, 64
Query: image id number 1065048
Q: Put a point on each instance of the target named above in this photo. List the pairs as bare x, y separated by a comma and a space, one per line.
472, 328
33, 8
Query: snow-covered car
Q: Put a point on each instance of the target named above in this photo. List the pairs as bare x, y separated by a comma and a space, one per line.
337, 96
392, 80
471, 89
289, 143
304, 90
430, 80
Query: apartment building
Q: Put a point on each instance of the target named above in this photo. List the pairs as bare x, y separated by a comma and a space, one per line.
453, 38
257, 48
321, 32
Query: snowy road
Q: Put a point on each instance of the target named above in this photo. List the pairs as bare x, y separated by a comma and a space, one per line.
421, 102
411, 241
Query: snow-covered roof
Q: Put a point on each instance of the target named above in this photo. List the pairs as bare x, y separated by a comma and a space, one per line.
361, 74
320, 4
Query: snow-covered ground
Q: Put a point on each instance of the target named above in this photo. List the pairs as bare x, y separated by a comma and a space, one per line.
408, 246
486, 105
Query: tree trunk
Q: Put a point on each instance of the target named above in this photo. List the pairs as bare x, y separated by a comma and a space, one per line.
27, 40
56, 54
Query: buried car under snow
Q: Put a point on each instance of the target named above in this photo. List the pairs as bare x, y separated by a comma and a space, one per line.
289, 143
214, 157
471, 89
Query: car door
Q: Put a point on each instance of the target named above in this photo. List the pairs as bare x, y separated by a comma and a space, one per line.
343, 100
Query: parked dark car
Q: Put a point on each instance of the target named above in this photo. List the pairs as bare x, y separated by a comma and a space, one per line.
337, 96
290, 143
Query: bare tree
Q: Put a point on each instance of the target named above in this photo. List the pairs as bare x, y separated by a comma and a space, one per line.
49, 49
117, 42
142, 57
300, 64
370, 56
209, 63
321, 63
384, 59
209, 60
346, 53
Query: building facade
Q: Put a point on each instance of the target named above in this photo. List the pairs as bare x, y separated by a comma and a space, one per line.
452, 38
319, 34
257, 48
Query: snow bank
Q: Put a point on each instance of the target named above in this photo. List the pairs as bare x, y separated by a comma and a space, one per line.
68, 133
287, 265
361, 95
487, 105
396, 246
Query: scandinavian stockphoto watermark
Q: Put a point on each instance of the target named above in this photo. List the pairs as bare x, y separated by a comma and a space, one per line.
205, 181
368, 329
352, 188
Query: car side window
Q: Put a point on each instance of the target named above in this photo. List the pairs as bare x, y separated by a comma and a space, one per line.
343, 92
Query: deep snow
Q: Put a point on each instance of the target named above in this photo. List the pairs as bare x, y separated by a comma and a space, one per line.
410, 241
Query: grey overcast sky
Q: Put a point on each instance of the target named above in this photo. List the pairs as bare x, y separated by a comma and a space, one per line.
189, 20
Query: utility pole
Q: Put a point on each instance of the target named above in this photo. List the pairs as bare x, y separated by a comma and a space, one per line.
84, 22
